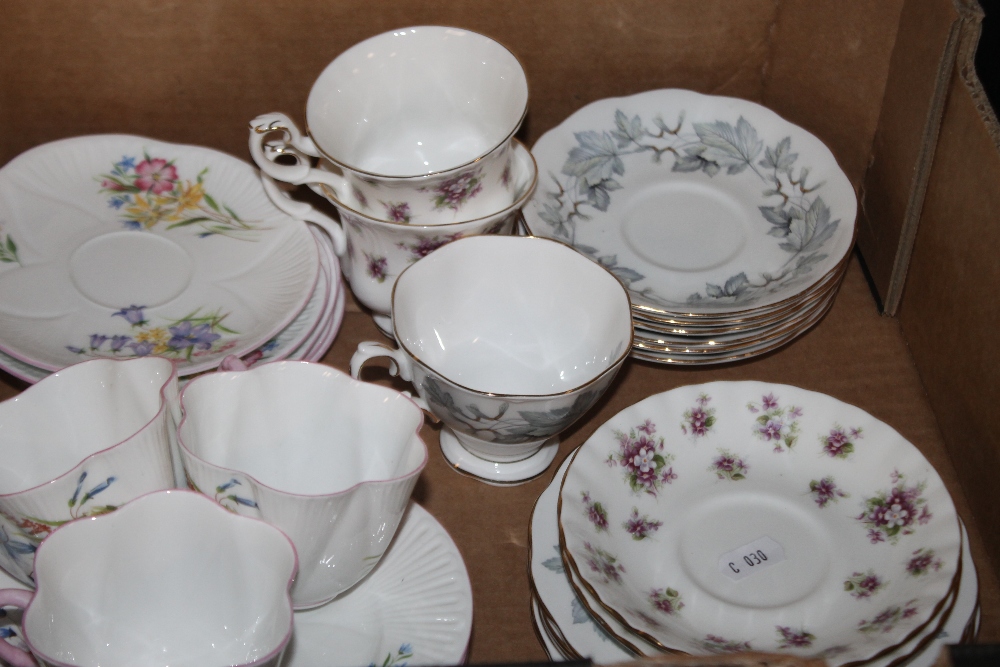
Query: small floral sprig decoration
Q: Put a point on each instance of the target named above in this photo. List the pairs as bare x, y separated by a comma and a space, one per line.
698, 420
640, 527
377, 267
839, 444
643, 458
596, 513
774, 423
728, 465
151, 191
666, 600
889, 619
396, 211
896, 512
717, 644
36, 529
604, 564
405, 652
190, 336
426, 246
922, 562
862, 585
454, 192
825, 491
8, 249
788, 638
15, 549
225, 495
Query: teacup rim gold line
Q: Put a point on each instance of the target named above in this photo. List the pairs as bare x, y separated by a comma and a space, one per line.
516, 205
465, 165
612, 368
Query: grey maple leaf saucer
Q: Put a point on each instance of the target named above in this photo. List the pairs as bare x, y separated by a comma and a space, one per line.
701, 205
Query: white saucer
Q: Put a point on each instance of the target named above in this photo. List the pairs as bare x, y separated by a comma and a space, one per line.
493, 472
414, 608
129, 246
588, 638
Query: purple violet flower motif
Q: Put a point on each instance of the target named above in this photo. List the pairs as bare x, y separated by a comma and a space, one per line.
133, 315
142, 349
118, 342
96, 341
185, 335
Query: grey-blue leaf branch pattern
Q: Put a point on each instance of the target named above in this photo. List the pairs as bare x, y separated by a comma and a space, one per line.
799, 218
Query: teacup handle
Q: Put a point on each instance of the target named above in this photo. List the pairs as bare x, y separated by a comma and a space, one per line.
295, 144
399, 364
13, 656
300, 210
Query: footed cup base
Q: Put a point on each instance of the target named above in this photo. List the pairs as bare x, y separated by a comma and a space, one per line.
494, 472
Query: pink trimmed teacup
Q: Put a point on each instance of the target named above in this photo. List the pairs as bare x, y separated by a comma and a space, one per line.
329, 460
171, 578
80, 443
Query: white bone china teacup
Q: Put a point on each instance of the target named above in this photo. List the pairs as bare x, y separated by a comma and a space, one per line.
171, 579
418, 121
80, 443
329, 460
508, 340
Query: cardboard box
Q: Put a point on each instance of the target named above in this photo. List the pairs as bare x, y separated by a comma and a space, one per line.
887, 84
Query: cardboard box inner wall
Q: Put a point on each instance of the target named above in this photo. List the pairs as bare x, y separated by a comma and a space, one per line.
864, 76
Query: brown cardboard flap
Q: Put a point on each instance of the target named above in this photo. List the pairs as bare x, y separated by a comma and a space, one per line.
903, 150
950, 312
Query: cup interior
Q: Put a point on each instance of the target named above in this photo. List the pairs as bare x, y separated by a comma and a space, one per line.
81, 410
301, 428
512, 315
416, 101
171, 578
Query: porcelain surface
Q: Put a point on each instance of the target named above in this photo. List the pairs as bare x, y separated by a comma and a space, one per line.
505, 364
700, 204
415, 608
808, 526
418, 121
107, 597
79, 444
374, 252
329, 460
583, 627
123, 246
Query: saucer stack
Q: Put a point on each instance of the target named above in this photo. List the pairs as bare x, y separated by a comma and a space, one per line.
119, 246
744, 516
730, 226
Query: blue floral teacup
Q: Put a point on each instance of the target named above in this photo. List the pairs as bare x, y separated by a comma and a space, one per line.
508, 341
80, 443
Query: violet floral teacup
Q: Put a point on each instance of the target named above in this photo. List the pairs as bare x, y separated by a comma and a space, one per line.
418, 122
508, 341
373, 252
327, 459
80, 443
171, 578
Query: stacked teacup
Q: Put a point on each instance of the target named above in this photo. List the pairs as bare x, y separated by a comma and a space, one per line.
413, 130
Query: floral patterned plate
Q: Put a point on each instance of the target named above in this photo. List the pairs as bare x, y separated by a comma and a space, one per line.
700, 204
761, 514
308, 337
121, 246
583, 628
415, 608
